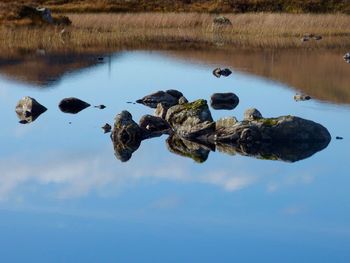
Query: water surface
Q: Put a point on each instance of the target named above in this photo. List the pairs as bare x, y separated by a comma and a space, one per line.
64, 197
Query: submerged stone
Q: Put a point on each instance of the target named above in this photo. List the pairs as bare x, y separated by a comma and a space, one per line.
72, 105
28, 110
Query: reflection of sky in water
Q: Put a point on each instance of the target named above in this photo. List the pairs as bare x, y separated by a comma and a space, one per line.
64, 196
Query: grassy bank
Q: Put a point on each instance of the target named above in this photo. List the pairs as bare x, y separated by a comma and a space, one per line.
213, 6
109, 31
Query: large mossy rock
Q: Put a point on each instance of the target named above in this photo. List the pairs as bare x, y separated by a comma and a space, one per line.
282, 129
191, 120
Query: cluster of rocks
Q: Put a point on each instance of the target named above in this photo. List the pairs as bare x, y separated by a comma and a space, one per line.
193, 132
29, 109
347, 57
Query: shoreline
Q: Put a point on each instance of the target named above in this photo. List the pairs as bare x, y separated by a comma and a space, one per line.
115, 31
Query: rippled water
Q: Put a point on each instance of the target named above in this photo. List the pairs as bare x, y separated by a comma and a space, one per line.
64, 197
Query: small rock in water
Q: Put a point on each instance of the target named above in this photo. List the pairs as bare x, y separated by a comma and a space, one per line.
339, 138
347, 57
130, 102
107, 128
218, 72
224, 101
72, 105
101, 107
28, 110
100, 59
301, 97
317, 38
226, 72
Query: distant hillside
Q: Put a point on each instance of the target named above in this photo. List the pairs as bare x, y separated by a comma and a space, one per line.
212, 6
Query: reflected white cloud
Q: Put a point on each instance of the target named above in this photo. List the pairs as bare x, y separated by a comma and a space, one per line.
77, 177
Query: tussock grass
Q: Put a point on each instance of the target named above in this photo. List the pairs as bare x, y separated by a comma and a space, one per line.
108, 31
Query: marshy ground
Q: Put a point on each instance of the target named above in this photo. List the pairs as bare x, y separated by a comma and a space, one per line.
139, 30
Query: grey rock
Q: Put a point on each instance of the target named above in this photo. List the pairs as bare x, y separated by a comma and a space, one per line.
224, 101
72, 105
191, 120
28, 110
161, 110
182, 100
252, 114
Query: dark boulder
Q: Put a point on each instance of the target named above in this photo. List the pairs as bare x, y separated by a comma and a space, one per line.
72, 105
154, 124
38, 15
28, 110
106, 128
224, 101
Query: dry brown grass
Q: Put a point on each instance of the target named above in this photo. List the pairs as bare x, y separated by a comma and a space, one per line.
108, 31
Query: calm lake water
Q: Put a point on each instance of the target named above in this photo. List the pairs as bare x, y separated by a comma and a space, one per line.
64, 197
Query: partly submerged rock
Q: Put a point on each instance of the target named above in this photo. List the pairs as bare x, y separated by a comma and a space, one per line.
163, 97
126, 136
224, 101
72, 105
301, 97
28, 110
191, 120
218, 72
106, 128
183, 147
347, 57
